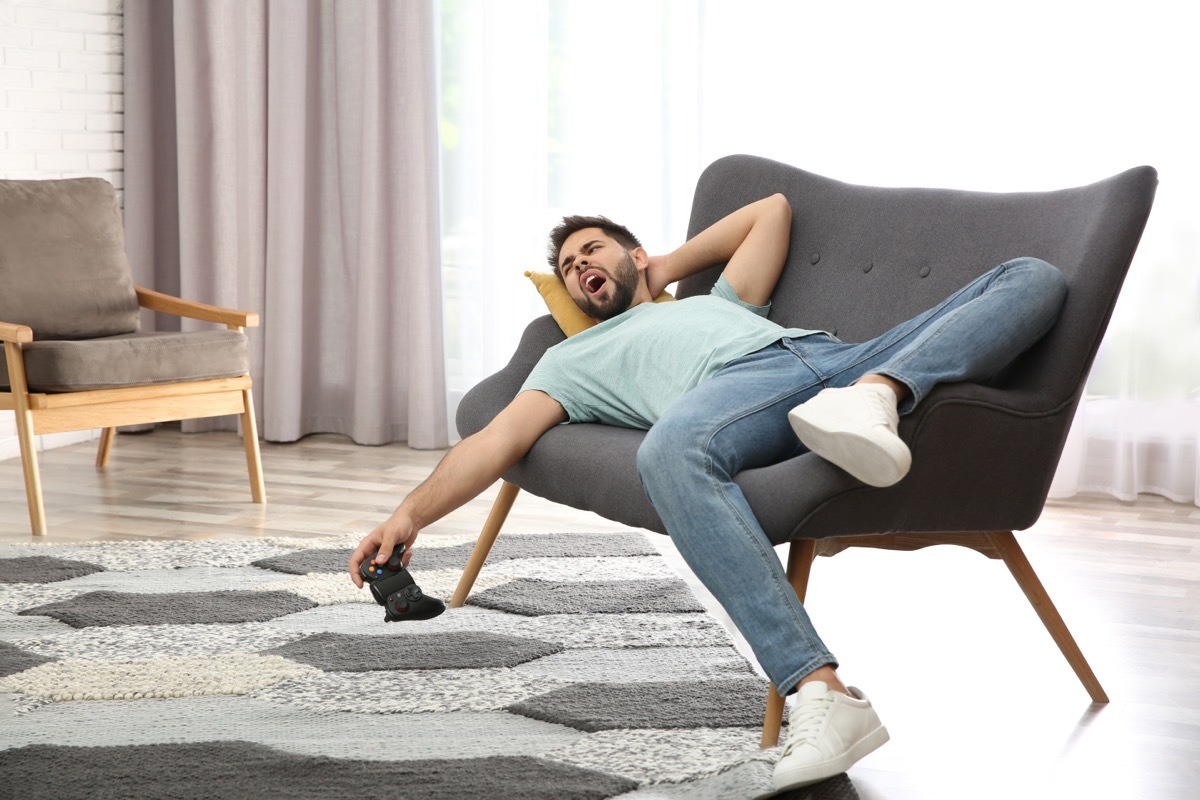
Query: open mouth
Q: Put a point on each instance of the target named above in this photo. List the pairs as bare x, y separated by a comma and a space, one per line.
593, 283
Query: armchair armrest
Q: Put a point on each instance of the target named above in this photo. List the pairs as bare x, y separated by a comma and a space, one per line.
17, 334
166, 304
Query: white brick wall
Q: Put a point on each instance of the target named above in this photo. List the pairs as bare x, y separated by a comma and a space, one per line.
61, 109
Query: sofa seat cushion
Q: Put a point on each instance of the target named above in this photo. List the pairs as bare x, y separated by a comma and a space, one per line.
135, 359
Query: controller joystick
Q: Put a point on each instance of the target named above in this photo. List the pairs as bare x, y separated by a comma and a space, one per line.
394, 588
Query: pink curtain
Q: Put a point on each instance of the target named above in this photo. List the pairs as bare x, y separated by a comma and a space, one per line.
282, 156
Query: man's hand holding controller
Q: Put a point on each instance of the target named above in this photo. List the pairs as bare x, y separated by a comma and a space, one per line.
391, 584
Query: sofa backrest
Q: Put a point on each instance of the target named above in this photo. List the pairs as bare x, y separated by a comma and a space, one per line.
63, 270
864, 258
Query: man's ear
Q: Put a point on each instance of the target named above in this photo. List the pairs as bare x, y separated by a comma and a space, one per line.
641, 259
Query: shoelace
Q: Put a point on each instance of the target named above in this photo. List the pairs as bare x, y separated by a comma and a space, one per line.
806, 721
883, 410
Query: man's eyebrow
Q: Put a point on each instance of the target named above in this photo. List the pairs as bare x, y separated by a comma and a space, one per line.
569, 260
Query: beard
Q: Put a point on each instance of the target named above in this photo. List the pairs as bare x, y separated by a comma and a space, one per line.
624, 283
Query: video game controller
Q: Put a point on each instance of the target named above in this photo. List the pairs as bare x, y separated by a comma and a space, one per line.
394, 589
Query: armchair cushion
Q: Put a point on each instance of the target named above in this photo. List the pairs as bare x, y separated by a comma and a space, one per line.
136, 359
63, 270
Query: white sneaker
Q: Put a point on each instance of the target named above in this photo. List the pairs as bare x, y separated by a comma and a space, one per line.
828, 732
856, 429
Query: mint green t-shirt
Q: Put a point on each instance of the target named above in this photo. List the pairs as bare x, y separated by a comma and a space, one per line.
628, 370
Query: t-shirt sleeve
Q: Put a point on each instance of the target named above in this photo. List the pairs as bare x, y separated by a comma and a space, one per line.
547, 376
723, 290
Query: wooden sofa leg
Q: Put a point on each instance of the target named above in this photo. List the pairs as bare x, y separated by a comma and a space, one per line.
483, 545
1027, 579
800, 558
258, 490
106, 443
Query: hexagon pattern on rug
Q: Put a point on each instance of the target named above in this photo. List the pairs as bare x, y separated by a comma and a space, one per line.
335, 652
732, 703
506, 548
582, 667
85, 679
243, 769
13, 659
303, 562
658, 755
129, 608
43, 569
415, 691
535, 598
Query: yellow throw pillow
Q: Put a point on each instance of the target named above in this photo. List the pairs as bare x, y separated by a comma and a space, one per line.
569, 316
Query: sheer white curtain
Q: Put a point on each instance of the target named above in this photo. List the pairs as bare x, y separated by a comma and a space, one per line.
551, 108
565, 106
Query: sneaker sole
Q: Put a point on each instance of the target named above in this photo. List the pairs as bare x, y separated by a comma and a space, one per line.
798, 777
866, 459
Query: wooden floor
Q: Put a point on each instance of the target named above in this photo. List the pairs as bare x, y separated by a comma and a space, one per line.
978, 700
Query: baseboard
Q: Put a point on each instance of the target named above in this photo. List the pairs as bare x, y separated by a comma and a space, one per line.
8, 435
53, 440
10, 447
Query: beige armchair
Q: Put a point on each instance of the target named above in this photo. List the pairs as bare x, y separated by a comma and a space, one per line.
74, 358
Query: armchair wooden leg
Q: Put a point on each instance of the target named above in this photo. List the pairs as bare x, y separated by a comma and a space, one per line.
773, 719
105, 450
483, 545
26, 438
1027, 579
258, 489
33, 478
800, 558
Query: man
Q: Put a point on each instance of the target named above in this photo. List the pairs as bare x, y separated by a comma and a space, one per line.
721, 389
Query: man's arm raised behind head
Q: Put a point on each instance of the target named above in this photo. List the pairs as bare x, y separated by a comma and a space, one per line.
752, 242
471, 466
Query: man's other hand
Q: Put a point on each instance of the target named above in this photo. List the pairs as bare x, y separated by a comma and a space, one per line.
658, 276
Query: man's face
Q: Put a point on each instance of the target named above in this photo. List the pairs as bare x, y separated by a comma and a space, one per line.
600, 274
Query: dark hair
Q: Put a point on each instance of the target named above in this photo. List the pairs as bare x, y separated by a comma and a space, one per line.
619, 233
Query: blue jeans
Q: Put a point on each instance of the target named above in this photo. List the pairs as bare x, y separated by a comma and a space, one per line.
737, 420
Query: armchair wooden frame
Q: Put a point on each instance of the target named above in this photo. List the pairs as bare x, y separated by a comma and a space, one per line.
40, 413
1001, 545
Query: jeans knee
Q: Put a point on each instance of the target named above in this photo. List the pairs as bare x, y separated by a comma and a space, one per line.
663, 452
1046, 283
651, 456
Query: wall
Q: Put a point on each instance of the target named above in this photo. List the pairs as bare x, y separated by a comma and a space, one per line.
60, 109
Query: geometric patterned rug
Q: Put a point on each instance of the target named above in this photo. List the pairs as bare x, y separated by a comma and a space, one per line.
581, 667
